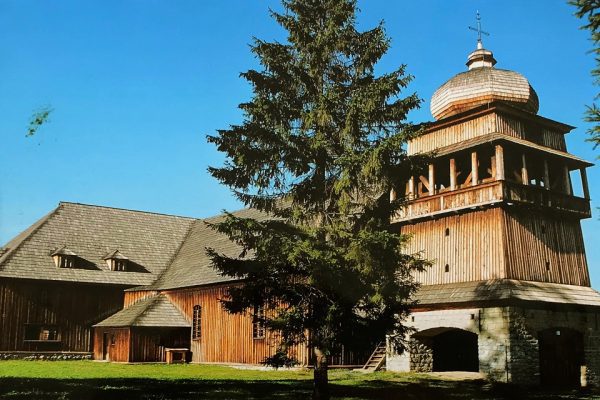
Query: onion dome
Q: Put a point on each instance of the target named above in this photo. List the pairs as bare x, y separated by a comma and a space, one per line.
482, 84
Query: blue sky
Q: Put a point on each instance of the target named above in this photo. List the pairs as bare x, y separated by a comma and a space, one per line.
136, 85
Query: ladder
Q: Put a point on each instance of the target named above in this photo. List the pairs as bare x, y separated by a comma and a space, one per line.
377, 359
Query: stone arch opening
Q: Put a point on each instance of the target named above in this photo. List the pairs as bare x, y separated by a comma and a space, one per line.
446, 349
561, 356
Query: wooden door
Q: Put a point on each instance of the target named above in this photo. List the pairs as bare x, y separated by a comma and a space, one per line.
561, 357
106, 346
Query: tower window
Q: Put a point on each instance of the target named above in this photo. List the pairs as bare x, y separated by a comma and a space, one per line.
446, 268
197, 322
547, 265
447, 232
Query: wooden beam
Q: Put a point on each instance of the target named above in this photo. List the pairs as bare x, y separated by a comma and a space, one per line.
584, 183
431, 179
546, 175
499, 163
524, 172
425, 182
474, 169
452, 174
411, 187
567, 182
392, 194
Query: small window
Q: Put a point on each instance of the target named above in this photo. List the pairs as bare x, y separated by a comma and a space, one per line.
64, 258
197, 322
41, 333
446, 268
66, 261
258, 324
119, 265
447, 232
116, 261
547, 265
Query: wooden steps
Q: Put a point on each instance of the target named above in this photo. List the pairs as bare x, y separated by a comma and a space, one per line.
377, 359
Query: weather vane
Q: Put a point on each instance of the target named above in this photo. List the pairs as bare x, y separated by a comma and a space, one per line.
479, 31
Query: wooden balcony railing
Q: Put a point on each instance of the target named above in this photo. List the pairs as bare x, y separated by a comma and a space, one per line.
492, 193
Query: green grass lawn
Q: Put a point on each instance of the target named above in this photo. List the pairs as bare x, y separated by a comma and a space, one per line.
92, 380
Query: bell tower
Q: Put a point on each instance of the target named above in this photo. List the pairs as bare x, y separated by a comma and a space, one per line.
498, 211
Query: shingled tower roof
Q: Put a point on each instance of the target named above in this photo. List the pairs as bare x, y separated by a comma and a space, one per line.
483, 84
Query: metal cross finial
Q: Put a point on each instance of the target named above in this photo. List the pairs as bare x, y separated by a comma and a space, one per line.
479, 31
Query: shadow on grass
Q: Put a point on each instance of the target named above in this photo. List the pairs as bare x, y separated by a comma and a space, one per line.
153, 389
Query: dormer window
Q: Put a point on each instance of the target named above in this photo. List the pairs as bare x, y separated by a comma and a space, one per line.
64, 258
116, 261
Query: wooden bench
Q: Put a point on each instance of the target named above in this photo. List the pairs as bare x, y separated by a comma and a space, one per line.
176, 355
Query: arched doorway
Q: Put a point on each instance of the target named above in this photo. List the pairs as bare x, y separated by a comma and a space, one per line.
561, 356
455, 350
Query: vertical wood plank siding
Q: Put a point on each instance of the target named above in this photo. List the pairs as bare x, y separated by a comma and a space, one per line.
117, 352
471, 249
484, 125
135, 296
226, 338
149, 344
72, 308
459, 132
500, 243
545, 248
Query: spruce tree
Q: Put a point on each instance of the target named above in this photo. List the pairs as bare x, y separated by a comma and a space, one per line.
590, 9
318, 152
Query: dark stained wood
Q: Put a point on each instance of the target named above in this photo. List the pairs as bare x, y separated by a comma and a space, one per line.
70, 307
149, 344
584, 183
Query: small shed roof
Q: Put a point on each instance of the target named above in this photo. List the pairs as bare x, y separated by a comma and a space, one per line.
506, 290
155, 311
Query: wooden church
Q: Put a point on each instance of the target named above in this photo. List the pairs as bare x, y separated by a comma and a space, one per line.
509, 294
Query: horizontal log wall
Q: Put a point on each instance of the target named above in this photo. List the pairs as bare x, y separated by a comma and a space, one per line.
543, 247
72, 308
472, 250
225, 338
116, 342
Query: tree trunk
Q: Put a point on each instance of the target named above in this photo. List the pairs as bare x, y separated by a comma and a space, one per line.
321, 387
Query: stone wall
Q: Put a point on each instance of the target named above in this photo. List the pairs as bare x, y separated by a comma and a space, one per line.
507, 340
44, 355
421, 354
525, 324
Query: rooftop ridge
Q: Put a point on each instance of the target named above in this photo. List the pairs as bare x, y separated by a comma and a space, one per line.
129, 210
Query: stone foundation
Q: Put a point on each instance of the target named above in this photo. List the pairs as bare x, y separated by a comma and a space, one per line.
44, 355
508, 347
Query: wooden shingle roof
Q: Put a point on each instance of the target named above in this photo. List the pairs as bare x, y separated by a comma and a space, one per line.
150, 240
156, 311
191, 266
506, 291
